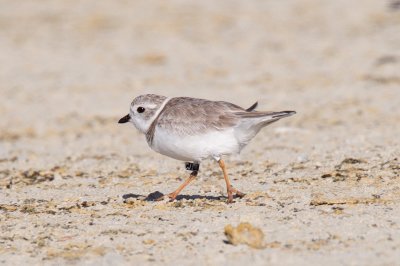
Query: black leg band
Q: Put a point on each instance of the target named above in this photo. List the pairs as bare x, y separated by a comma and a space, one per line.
192, 166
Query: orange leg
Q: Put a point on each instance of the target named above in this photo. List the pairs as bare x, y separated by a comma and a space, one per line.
174, 194
229, 187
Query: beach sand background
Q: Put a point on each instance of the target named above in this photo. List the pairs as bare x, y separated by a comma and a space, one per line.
323, 185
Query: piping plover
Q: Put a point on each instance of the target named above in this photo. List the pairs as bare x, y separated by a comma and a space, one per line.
191, 130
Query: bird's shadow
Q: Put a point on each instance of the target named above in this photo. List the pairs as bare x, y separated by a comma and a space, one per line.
154, 196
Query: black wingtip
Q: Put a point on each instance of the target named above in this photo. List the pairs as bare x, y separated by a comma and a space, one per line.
291, 112
251, 108
283, 114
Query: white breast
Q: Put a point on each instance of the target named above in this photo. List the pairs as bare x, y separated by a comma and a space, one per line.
195, 147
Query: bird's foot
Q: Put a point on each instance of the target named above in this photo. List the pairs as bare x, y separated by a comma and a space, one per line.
172, 196
237, 193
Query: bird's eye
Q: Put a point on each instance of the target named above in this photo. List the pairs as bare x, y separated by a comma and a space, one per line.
140, 109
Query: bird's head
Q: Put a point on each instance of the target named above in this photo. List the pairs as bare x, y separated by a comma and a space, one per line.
144, 109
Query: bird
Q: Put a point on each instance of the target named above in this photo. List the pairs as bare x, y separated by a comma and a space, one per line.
192, 130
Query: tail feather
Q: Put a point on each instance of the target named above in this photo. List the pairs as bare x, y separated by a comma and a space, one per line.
252, 122
270, 115
282, 114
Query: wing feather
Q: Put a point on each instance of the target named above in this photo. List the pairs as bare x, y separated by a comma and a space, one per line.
188, 116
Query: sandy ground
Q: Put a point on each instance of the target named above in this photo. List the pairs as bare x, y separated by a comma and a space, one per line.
323, 186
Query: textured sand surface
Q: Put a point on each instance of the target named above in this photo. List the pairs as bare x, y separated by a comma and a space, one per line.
323, 185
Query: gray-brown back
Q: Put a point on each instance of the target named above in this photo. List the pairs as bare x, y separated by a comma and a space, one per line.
188, 116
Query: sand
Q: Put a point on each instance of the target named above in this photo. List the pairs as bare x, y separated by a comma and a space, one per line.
323, 186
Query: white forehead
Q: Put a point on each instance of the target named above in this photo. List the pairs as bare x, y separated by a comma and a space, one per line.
147, 105
150, 105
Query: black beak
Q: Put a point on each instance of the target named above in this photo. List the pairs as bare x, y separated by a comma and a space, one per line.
124, 119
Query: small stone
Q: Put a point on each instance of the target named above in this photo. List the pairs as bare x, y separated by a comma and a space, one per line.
79, 173
125, 173
8, 207
302, 158
245, 233
149, 241
154, 196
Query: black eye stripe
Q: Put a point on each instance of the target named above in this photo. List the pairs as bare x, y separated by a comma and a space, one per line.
140, 109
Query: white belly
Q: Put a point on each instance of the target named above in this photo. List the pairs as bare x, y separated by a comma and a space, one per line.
196, 147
